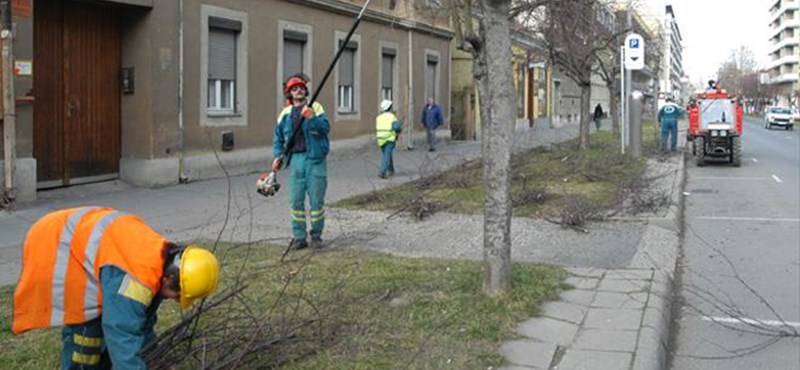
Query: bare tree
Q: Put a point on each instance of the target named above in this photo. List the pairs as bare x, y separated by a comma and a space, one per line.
576, 39
732, 71
490, 47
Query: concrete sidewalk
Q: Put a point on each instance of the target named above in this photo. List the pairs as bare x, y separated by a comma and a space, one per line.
620, 266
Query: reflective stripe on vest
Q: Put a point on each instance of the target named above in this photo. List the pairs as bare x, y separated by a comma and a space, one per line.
90, 297
91, 306
383, 128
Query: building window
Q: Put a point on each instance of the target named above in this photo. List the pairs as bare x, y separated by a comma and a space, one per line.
222, 39
346, 92
294, 50
431, 75
387, 73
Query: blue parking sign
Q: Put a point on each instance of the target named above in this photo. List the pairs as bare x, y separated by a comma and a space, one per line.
634, 43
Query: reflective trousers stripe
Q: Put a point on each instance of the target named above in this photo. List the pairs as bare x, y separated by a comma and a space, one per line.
83, 359
86, 341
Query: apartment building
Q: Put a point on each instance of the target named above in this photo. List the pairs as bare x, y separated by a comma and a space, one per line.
784, 52
670, 81
153, 91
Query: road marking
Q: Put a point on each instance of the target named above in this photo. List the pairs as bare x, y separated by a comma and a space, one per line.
730, 178
714, 218
747, 321
755, 160
777, 179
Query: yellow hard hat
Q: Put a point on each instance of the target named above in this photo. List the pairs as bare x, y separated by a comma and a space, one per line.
199, 274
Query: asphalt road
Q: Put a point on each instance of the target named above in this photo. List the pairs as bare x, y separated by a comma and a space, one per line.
741, 258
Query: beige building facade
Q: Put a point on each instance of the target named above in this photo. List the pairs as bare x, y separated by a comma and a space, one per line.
153, 91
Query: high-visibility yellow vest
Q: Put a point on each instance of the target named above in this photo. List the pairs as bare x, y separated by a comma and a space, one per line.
383, 128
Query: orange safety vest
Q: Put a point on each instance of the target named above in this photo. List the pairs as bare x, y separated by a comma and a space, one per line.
63, 253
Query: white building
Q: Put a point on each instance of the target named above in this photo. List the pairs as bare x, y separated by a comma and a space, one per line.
784, 51
670, 81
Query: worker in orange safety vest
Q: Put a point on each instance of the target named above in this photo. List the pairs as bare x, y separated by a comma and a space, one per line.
101, 274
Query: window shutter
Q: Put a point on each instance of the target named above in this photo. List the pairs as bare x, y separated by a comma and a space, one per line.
346, 67
386, 71
292, 57
430, 80
221, 54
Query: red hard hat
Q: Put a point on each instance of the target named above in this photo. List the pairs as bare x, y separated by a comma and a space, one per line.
294, 81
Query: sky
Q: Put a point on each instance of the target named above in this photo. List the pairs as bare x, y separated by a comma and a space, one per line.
712, 28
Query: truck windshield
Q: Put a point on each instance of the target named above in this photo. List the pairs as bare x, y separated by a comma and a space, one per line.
716, 110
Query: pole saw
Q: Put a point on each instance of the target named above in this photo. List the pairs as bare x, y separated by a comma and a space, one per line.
267, 184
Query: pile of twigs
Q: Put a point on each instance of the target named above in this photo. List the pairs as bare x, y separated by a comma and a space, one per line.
242, 329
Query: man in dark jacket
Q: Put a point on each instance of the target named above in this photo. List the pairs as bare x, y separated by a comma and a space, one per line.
598, 115
431, 119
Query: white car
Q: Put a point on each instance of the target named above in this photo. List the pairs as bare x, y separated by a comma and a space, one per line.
779, 116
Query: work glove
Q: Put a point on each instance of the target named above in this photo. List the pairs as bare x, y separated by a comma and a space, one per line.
307, 112
276, 164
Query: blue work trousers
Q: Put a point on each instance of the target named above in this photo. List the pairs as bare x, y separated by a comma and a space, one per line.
83, 347
431, 136
669, 128
387, 161
308, 178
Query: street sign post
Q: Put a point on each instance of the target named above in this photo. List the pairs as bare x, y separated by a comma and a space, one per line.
634, 52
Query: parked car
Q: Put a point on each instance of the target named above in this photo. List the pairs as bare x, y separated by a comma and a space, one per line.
779, 116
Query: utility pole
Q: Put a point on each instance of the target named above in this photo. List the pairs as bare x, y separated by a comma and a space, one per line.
9, 119
626, 131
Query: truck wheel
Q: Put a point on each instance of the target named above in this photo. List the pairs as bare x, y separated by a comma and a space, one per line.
736, 152
700, 151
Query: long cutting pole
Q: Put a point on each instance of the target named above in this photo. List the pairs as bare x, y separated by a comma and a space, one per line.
338, 54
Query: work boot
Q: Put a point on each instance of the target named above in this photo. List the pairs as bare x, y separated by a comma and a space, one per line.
316, 242
298, 244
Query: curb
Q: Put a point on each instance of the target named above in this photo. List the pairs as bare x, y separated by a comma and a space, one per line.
653, 342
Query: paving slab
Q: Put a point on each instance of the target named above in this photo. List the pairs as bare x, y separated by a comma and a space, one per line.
607, 340
545, 329
595, 360
565, 311
605, 318
528, 353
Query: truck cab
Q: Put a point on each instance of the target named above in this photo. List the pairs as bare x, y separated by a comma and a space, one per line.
715, 126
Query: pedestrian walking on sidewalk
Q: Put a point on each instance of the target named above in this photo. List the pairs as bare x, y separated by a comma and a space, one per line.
101, 275
303, 131
431, 119
598, 115
387, 129
668, 116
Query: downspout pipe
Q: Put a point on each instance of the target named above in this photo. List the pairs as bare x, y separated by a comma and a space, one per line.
9, 112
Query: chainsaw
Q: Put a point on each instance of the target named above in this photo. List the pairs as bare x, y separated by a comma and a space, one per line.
267, 184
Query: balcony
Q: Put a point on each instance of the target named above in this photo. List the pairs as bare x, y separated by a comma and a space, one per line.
791, 41
780, 12
794, 23
789, 59
784, 78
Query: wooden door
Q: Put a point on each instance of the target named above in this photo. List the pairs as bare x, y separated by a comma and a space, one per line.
77, 125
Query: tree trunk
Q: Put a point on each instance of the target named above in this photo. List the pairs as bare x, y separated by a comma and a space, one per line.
614, 111
586, 117
495, 87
